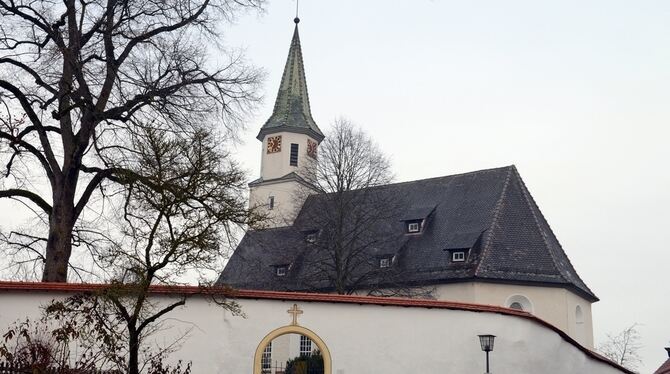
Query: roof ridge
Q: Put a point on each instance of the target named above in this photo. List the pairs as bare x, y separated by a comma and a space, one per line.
266, 229
304, 76
453, 175
531, 205
436, 178
494, 220
533, 208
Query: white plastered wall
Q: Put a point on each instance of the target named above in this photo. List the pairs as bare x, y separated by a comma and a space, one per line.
288, 195
362, 339
553, 304
288, 199
276, 165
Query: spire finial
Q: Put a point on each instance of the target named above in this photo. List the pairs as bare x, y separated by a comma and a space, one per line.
297, 7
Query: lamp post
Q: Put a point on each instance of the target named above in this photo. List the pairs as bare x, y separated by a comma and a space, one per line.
486, 342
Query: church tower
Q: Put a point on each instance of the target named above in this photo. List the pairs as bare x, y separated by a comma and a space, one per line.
290, 138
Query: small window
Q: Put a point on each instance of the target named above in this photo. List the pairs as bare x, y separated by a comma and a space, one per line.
281, 270
294, 154
519, 302
305, 346
516, 305
385, 262
311, 237
579, 315
271, 202
266, 358
414, 227
458, 256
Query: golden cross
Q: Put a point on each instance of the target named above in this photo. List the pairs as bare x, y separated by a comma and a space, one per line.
295, 311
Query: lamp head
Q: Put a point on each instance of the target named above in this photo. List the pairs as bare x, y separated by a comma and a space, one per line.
486, 342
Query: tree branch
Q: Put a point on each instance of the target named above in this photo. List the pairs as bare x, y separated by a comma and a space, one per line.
33, 73
34, 118
34, 151
161, 313
28, 195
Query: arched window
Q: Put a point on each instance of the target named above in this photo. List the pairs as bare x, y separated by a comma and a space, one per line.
519, 302
293, 329
516, 305
579, 315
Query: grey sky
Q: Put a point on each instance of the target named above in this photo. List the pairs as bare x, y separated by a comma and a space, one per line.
575, 93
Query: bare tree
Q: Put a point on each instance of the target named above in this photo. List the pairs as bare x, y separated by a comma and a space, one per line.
175, 221
173, 225
624, 347
77, 78
349, 160
352, 212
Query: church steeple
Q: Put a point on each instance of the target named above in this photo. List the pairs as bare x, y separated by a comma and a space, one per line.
290, 139
292, 111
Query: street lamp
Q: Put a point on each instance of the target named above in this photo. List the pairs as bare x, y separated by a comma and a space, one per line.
487, 346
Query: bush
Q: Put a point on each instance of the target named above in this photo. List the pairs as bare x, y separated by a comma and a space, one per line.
312, 364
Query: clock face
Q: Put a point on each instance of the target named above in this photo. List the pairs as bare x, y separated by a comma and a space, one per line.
274, 144
311, 148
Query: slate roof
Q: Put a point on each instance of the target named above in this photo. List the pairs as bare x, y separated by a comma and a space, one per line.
292, 110
488, 212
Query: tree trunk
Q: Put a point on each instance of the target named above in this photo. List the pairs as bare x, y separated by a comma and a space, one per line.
133, 352
59, 241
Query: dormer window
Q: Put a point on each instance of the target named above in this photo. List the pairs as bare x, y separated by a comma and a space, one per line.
414, 227
416, 217
311, 237
458, 256
385, 262
281, 270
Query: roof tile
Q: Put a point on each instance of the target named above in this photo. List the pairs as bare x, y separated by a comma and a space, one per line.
490, 212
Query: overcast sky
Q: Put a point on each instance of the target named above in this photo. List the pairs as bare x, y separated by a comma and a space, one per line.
576, 94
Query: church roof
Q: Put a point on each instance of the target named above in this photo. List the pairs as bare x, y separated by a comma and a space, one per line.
292, 111
490, 213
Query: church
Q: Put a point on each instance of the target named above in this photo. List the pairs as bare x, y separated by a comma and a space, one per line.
497, 280
476, 237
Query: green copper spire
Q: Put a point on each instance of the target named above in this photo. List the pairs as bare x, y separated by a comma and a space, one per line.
292, 112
